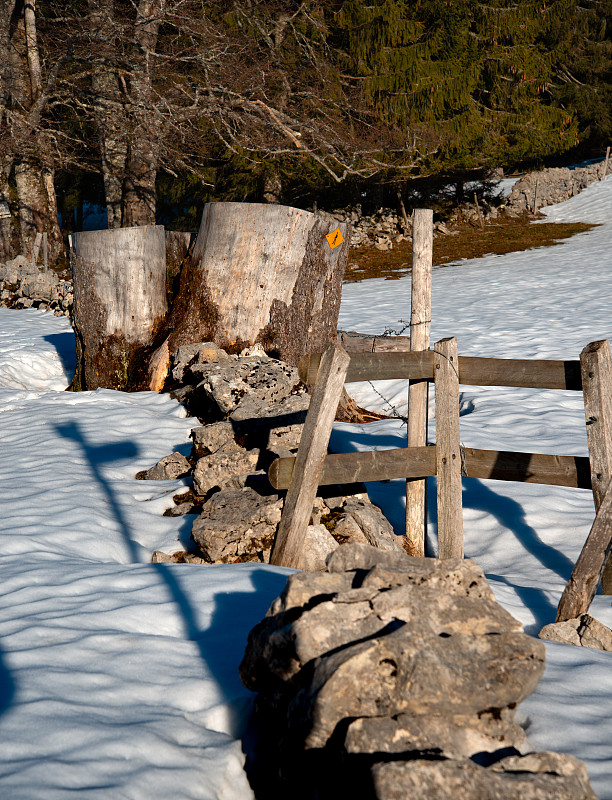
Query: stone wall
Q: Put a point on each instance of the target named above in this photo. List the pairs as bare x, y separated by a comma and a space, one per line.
539, 189
395, 678
25, 285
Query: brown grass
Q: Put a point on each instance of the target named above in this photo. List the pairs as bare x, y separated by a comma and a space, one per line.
506, 235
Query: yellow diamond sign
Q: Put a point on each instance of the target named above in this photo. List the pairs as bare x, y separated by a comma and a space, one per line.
335, 238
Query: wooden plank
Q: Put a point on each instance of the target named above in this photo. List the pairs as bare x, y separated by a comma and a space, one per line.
418, 390
310, 458
354, 342
374, 366
582, 586
536, 374
473, 371
418, 462
504, 465
448, 450
372, 465
596, 365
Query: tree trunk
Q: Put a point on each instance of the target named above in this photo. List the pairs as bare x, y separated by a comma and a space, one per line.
37, 208
7, 231
119, 303
141, 166
260, 273
29, 150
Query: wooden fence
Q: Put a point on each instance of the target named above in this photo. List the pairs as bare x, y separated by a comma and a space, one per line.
447, 459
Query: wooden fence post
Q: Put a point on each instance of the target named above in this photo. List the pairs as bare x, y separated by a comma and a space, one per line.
582, 586
310, 457
448, 450
596, 368
420, 321
605, 167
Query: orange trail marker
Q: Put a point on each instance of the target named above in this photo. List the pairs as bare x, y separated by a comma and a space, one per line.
335, 238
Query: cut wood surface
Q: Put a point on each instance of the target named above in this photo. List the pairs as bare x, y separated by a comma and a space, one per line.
448, 451
310, 458
120, 302
596, 365
582, 586
473, 371
418, 390
417, 462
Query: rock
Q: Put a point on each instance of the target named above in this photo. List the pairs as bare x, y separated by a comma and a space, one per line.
318, 545
169, 468
225, 387
395, 677
189, 355
363, 522
585, 631
458, 736
237, 525
216, 471
414, 670
181, 557
565, 632
513, 778
271, 426
41, 286
345, 606
594, 633
180, 510
215, 438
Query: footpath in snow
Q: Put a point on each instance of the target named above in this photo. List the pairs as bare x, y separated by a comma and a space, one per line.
119, 677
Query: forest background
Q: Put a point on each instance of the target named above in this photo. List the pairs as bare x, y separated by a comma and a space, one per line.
153, 107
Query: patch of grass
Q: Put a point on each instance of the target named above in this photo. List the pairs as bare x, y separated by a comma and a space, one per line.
506, 235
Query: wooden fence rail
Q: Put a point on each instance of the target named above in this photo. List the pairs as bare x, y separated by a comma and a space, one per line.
473, 371
449, 461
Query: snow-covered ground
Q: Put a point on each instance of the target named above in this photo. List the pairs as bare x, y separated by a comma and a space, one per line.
118, 678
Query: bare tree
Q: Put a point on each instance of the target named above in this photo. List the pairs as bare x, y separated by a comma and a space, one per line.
27, 154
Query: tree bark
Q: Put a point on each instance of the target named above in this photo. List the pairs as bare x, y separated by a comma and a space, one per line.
141, 165
119, 303
34, 173
261, 273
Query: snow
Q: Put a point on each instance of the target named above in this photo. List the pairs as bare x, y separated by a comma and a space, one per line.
118, 677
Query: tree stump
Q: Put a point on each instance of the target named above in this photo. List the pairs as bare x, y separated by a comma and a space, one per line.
119, 302
258, 273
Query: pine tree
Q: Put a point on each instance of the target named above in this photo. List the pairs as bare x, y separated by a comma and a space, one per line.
473, 77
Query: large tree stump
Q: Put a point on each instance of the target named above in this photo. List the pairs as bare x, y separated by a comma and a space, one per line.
258, 273
119, 302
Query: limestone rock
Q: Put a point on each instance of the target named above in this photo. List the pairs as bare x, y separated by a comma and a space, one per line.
411, 670
224, 387
585, 631
362, 522
397, 677
189, 356
217, 437
451, 736
237, 525
530, 777
169, 468
218, 470
318, 545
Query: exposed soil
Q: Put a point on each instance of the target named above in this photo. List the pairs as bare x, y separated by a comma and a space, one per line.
505, 235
